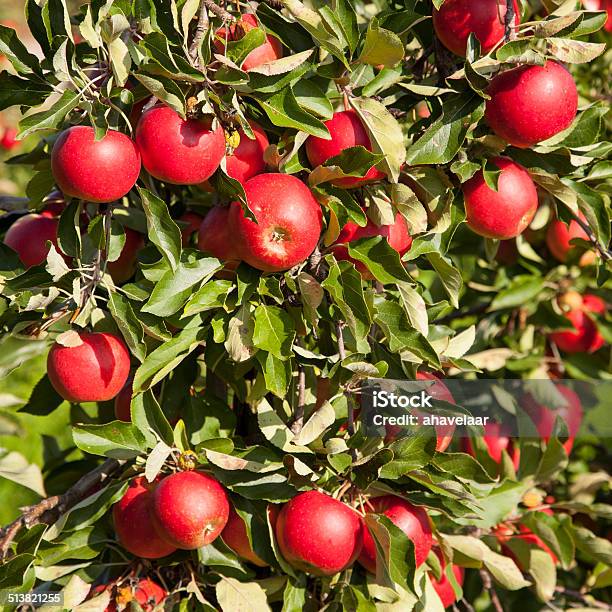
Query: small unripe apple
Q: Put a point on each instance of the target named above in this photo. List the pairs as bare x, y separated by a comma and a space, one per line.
530, 104
559, 235
29, 236
319, 534
346, 131
412, 520
190, 509
133, 523
456, 19
94, 171
443, 587
235, 536
178, 151
397, 236
497, 440
504, 213
270, 50
289, 222
215, 238
570, 300
123, 268
194, 221
93, 371
247, 159
544, 417
123, 402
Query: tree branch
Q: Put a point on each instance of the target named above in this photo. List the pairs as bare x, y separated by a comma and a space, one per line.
203, 24
50, 509
605, 253
298, 415
508, 20
488, 585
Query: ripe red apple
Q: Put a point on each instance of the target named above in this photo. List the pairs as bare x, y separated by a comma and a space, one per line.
94, 371
235, 536
289, 222
397, 236
346, 131
412, 520
247, 159
194, 221
272, 48
443, 587
215, 235
29, 236
559, 235
190, 509
586, 337
123, 401
504, 213
177, 151
9, 140
123, 268
319, 534
544, 417
530, 104
497, 440
133, 524
456, 19
94, 171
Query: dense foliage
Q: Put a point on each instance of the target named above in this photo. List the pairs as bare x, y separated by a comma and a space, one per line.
246, 349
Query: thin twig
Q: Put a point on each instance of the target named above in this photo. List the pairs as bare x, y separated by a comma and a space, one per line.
203, 24
508, 20
606, 254
298, 415
50, 509
488, 585
582, 597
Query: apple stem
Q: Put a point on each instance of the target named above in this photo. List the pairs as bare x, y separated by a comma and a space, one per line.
50, 509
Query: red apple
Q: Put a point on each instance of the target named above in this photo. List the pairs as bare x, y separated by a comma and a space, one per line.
346, 131
594, 304
146, 593
505, 534
497, 440
94, 171
247, 159
29, 236
123, 268
182, 152
397, 236
235, 536
270, 50
530, 104
412, 520
9, 140
544, 417
133, 524
319, 534
584, 339
123, 401
215, 236
504, 213
443, 587
289, 222
194, 221
190, 509
456, 19
559, 235
94, 371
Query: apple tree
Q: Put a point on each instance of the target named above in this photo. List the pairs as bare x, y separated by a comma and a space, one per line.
236, 216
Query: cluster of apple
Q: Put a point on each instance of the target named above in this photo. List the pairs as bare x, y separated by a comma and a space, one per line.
315, 532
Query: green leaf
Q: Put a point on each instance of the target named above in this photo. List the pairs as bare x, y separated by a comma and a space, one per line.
15, 91
176, 286
118, 440
283, 110
15, 467
163, 231
148, 417
381, 46
449, 277
274, 331
236, 596
380, 258
164, 89
354, 161
128, 324
51, 118
521, 290
12, 48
